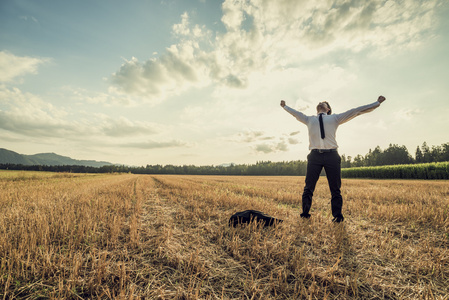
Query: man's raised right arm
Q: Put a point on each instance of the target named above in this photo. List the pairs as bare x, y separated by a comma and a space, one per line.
297, 114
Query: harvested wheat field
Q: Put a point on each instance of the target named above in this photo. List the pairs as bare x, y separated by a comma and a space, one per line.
83, 236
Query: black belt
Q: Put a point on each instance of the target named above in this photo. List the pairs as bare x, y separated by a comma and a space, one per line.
324, 150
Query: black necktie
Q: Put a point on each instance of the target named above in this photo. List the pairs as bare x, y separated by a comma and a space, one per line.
321, 126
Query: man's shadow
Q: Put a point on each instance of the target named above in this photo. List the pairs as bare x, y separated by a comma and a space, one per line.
343, 246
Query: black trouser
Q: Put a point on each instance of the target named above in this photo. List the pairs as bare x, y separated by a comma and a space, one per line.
331, 162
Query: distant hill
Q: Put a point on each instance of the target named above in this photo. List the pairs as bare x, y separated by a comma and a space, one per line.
11, 157
49, 159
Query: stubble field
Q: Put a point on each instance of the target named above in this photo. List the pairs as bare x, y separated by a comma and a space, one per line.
110, 236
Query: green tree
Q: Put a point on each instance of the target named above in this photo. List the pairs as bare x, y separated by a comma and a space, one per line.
358, 161
419, 157
395, 155
444, 152
427, 155
373, 158
345, 161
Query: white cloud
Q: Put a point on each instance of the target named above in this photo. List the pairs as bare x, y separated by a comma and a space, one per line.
112, 97
261, 142
292, 141
12, 66
269, 35
156, 79
122, 127
27, 18
154, 144
271, 147
265, 148
406, 113
28, 115
249, 136
183, 27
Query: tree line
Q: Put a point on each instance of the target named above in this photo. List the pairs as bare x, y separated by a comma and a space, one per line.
393, 155
260, 168
434, 170
397, 155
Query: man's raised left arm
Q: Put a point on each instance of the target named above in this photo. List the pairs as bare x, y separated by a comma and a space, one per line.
352, 113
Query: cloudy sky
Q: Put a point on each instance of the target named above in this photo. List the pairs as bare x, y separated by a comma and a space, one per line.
200, 81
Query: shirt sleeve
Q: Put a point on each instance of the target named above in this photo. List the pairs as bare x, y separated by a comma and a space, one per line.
352, 113
297, 114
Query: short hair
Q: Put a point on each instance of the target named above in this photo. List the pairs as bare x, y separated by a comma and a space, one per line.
330, 109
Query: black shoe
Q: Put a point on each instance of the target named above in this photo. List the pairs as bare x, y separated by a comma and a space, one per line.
338, 219
305, 216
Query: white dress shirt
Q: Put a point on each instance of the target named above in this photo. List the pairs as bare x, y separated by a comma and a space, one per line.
330, 123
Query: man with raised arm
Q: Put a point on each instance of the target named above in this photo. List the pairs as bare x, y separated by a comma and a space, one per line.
323, 151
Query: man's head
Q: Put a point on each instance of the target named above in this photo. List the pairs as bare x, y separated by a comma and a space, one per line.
324, 107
